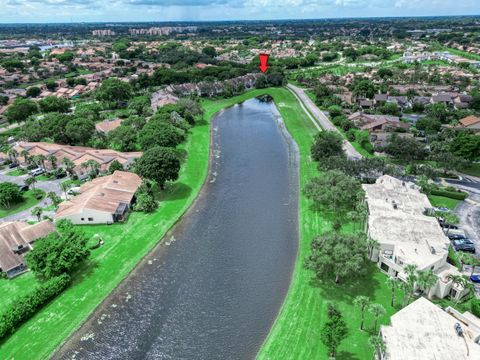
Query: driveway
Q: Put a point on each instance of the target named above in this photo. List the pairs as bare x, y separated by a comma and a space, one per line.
321, 119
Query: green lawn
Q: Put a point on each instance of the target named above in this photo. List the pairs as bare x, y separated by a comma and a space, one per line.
442, 201
16, 172
125, 245
473, 170
295, 334
29, 201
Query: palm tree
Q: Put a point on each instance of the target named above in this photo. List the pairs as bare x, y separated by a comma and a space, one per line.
426, 280
65, 186
412, 276
377, 311
12, 154
372, 245
53, 161
31, 181
474, 262
69, 166
40, 160
377, 344
361, 302
463, 258
457, 281
54, 198
26, 156
37, 211
392, 283
450, 219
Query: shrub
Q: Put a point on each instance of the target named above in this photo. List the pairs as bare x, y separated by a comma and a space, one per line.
457, 195
24, 307
475, 307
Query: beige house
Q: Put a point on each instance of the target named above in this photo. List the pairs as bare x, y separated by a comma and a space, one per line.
104, 200
108, 125
78, 154
471, 123
16, 238
422, 330
406, 236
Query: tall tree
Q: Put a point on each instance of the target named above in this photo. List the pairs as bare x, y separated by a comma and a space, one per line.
392, 283
377, 311
335, 192
327, 144
9, 195
362, 302
37, 211
159, 164
426, 280
378, 345
338, 255
334, 331
58, 253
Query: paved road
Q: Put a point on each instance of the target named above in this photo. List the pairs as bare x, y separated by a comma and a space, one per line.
47, 186
321, 119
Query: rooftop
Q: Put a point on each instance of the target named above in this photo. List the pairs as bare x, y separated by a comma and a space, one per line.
424, 331
396, 218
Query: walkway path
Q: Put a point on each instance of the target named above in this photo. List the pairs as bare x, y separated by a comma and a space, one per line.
321, 119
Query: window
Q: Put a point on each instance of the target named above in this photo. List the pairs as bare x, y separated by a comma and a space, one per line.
83, 219
90, 219
384, 267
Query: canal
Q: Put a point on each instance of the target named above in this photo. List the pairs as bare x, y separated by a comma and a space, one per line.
213, 287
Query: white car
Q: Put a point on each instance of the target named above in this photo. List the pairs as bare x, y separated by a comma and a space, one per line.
74, 190
37, 171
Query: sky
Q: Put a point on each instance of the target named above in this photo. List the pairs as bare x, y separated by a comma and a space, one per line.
12, 11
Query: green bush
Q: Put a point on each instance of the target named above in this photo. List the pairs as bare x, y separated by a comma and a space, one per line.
368, 147
457, 195
23, 308
475, 307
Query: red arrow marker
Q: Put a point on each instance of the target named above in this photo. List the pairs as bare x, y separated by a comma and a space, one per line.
264, 62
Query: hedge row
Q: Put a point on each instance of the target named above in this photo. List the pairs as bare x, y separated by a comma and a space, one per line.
26, 306
458, 195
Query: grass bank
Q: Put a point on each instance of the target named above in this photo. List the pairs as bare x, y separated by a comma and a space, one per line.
125, 245
442, 201
295, 334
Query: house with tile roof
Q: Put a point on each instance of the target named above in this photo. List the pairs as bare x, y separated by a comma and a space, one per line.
16, 239
103, 200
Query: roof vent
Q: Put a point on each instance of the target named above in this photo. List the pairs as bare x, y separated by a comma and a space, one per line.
432, 250
115, 181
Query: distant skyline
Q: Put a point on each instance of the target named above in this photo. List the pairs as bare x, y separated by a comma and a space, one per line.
15, 11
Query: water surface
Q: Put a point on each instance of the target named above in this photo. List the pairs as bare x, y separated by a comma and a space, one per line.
213, 288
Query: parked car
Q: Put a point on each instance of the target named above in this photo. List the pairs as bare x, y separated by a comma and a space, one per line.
447, 225
60, 175
464, 245
475, 278
74, 190
456, 236
37, 171
23, 187
12, 165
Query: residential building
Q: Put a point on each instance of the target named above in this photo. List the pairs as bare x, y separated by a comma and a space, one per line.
103, 200
108, 125
78, 154
470, 123
16, 239
406, 236
423, 330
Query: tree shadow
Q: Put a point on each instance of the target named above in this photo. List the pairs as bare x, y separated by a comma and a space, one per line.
174, 191
201, 122
344, 355
348, 289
